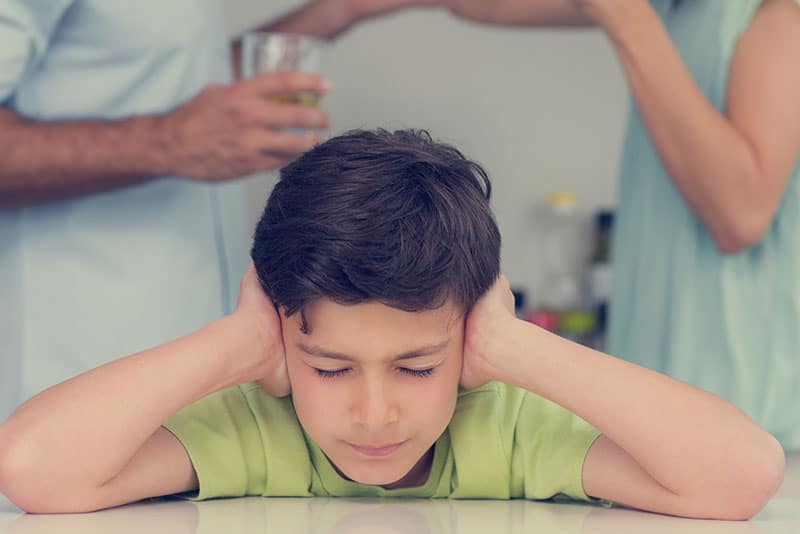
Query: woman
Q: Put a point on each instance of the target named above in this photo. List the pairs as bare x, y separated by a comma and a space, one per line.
707, 256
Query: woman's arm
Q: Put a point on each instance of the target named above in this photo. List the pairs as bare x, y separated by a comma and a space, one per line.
521, 12
732, 167
95, 441
666, 447
328, 19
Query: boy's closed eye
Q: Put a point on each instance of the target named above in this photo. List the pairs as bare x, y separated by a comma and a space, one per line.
427, 359
419, 373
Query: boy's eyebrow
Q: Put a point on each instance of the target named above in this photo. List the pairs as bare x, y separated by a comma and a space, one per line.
416, 353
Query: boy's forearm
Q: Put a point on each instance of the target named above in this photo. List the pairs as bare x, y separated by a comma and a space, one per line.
81, 433
658, 421
41, 162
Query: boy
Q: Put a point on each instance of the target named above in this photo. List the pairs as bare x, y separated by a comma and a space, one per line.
379, 296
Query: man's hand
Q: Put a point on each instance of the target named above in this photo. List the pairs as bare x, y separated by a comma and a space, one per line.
230, 131
223, 133
484, 334
268, 361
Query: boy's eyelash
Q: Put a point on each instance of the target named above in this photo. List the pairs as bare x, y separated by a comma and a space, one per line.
330, 374
420, 373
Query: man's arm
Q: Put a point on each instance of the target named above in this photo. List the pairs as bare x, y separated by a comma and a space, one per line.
95, 441
222, 133
666, 447
42, 162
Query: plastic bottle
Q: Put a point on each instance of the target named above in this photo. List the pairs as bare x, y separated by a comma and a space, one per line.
563, 255
579, 326
599, 276
519, 301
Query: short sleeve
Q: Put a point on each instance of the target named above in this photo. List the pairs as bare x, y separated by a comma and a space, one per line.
26, 29
223, 441
550, 446
739, 18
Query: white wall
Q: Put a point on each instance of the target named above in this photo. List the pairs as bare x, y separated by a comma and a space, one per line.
542, 110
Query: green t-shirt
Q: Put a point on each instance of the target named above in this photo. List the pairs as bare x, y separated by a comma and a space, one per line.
502, 442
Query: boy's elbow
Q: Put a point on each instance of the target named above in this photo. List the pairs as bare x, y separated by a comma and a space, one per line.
24, 492
757, 481
16, 475
22, 481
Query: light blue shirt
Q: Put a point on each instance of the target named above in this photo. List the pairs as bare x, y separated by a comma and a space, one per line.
87, 280
728, 324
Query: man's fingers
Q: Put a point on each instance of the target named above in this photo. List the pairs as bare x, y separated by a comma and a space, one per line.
283, 116
281, 145
283, 83
286, 144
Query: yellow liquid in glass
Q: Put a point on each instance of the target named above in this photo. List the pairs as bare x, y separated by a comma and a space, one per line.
302, 99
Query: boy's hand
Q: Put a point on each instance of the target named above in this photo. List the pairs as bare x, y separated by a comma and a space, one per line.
268, 365
484, 334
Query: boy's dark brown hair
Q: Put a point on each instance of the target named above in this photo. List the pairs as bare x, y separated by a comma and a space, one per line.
376, 216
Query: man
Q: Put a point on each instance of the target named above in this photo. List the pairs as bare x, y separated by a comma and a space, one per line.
119, 134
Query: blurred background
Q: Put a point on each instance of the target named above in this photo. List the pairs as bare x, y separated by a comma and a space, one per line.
542, 111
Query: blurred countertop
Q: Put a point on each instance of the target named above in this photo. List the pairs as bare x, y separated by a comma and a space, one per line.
397, 516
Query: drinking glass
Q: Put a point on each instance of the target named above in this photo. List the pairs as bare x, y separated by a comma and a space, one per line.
264, 52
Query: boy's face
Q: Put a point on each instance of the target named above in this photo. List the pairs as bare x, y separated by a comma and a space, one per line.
375, 386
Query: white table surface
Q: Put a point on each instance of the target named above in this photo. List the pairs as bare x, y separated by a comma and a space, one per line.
367, 516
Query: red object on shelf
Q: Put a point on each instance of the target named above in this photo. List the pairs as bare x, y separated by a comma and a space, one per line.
545, 319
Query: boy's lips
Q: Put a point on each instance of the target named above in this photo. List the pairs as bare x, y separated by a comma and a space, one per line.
376, 450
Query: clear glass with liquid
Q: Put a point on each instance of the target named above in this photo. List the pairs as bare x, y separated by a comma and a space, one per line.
265, 52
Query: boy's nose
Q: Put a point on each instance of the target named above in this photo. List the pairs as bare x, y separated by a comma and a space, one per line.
374, 409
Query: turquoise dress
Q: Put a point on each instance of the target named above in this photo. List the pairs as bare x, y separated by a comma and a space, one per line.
727, 324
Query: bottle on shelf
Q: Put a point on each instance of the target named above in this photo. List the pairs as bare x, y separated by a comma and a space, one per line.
562, 256
598, 275
578, 326
519, 300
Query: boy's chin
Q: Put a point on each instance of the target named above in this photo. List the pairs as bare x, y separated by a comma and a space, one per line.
375, 476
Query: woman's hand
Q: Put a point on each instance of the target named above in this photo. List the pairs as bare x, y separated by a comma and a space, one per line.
520, 12
363, 9
610, 14
485, 335
268, 365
